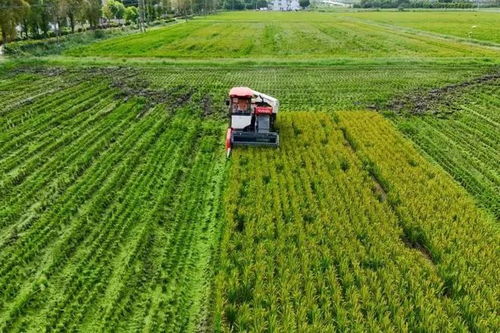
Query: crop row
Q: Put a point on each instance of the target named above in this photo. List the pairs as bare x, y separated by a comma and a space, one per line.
348, 228
109, 212
341, 87
462, 240
28, 87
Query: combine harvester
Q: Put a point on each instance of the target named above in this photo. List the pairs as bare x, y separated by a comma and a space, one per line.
252, 117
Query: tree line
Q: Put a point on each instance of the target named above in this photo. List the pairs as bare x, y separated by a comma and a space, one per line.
43, 18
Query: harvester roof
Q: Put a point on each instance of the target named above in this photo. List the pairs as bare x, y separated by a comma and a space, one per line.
241, 92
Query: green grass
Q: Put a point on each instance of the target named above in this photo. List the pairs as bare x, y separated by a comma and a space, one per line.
54, 45
291, 36
482, 26
347, 228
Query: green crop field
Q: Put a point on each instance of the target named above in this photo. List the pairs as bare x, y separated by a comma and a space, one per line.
109, 206
341, 87
475, 26
281, 35
119, 210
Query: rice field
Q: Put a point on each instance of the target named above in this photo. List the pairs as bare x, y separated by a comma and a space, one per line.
285, 36
349, 228
119, 210
109, 208
460, 130
478, 25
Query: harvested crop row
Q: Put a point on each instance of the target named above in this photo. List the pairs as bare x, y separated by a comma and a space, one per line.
110, 209
332, 233
341, 87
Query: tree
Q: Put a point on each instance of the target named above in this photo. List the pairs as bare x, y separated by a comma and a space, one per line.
304, 3
34, 20
114, 10
261, 4
131, 14
92, 11
55, 13
73, 10
107, 13
13, 12
183, 7
234, 5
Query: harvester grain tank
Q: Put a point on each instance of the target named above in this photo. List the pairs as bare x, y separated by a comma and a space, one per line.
252, 117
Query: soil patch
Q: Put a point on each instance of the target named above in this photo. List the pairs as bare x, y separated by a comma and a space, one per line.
441, 100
